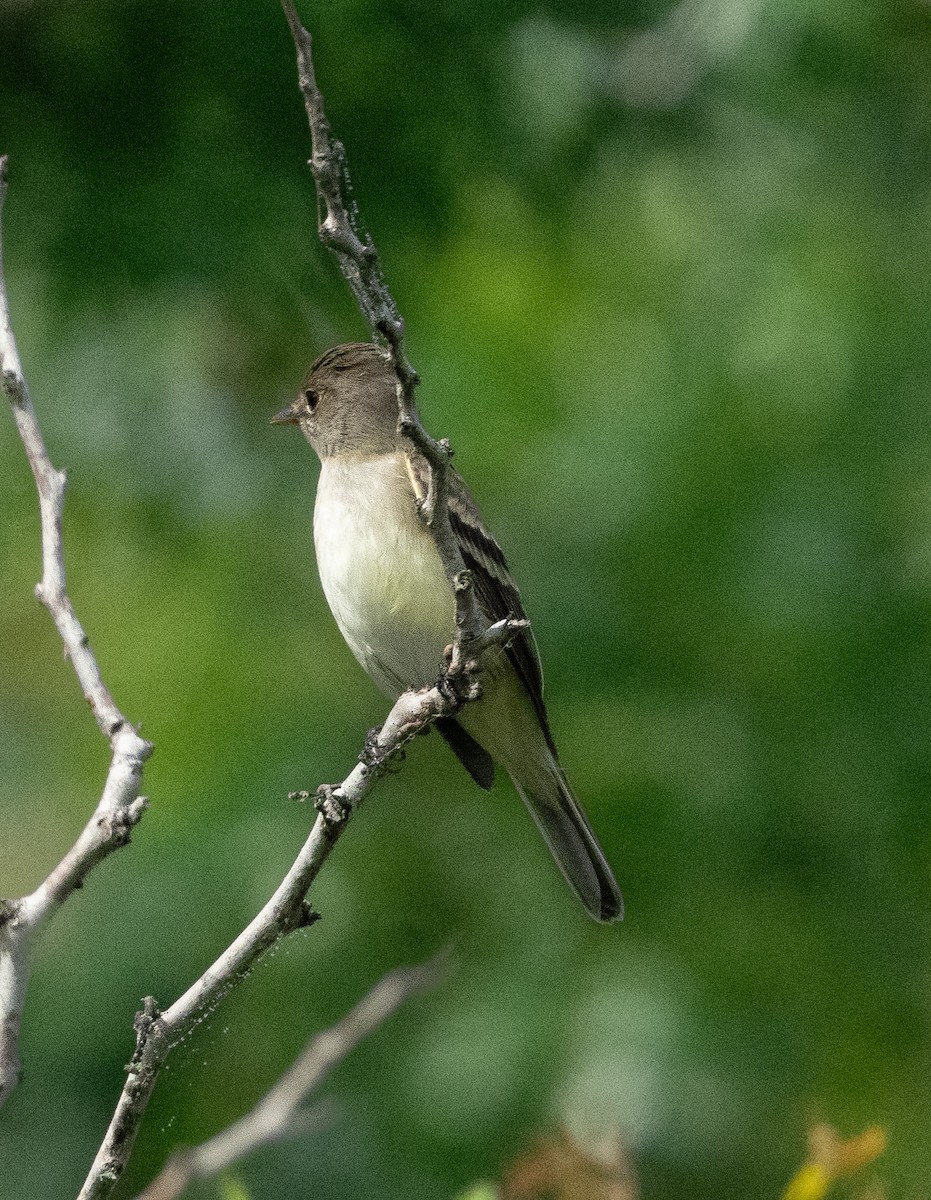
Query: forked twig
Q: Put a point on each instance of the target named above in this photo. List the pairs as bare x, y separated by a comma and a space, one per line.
120, 806
281, 1112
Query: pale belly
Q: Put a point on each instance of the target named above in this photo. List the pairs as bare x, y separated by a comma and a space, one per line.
381, 573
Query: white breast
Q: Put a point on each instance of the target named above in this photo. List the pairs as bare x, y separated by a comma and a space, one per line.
381, 573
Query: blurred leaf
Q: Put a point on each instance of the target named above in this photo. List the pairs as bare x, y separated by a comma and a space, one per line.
830, 1157
480, 1191
558, 1168
231, 1187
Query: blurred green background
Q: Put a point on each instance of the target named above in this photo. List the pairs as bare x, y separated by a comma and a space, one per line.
665, 271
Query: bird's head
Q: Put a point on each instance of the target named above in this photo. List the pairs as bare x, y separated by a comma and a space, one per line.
347, 405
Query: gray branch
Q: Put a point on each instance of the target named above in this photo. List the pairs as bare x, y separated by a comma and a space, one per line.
281, 1113
341, 232
157, 1033
120, 806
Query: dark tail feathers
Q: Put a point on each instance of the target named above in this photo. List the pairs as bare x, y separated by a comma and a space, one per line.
571, 840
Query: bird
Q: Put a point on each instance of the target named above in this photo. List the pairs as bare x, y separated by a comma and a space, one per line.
392, 600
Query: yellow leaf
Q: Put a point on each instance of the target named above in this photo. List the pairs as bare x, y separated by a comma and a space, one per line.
811, 1183
829, 1156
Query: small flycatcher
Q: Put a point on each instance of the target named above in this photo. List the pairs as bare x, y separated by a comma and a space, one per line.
386, 587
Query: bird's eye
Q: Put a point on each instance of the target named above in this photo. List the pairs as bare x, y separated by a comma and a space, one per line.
310, 399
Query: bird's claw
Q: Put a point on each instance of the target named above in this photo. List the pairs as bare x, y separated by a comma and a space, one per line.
330, 805
372, 754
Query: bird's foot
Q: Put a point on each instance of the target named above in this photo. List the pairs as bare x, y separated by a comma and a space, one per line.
460, 684
331, 806
372, 753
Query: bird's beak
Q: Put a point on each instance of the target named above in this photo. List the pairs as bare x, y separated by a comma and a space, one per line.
287, 416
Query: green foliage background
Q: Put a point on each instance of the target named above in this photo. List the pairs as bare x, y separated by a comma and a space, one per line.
666, 279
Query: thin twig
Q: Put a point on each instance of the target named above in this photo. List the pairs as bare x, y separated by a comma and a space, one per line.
341, 232
158, 1032
280, 1112
120, 806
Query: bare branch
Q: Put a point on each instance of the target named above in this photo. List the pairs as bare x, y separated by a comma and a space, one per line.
158, 1032
355, 253
120, 806
280, 1112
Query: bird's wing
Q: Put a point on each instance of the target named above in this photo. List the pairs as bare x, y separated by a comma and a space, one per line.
494, 584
